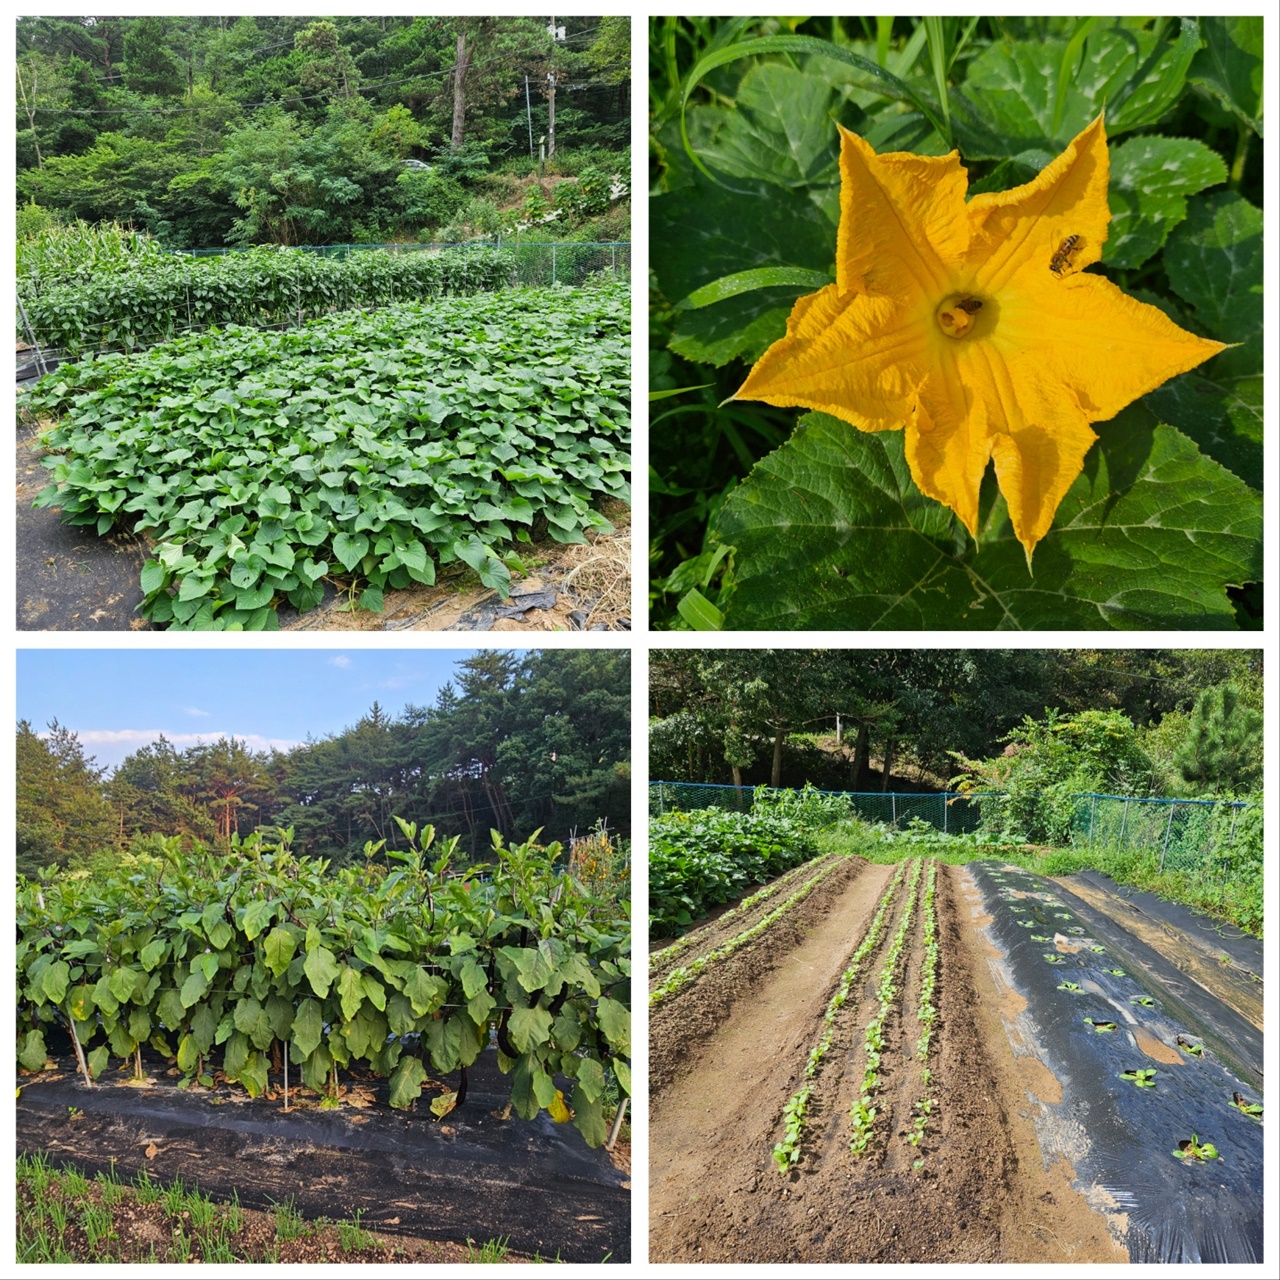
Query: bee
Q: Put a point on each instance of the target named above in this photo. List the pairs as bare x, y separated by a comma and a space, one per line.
1066, 251
971, 305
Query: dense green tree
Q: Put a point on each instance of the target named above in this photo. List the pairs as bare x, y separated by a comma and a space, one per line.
149, 65
61, 811
1222, 748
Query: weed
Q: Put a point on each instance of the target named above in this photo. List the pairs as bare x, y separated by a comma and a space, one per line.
353, 1237
290, 1224
490, 1251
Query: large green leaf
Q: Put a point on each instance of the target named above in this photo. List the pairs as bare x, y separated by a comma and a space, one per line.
308, 1030
1229, 67
1022, 94
704, 232
615, 1022
279, 947
321, 969
778, 130
31, 1050
529, 1028
406, 1082
1151, 178
1223, 418
1214, 261
831, 533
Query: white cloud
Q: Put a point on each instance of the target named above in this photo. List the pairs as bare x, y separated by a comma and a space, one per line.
195, 711
112, 745
340, 660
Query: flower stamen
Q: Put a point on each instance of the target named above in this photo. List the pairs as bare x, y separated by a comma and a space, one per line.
958, 314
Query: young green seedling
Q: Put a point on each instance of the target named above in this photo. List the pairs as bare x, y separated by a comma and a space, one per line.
1190, 1149
1143, 1077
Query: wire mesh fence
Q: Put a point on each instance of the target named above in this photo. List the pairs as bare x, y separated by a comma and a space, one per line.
558, 262
948, 811
98, 327
1184, 835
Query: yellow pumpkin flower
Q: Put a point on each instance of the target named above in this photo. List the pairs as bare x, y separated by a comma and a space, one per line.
971, 325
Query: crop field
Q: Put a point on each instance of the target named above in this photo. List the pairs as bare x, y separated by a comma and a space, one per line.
355, 453
272, 1028
914, 1061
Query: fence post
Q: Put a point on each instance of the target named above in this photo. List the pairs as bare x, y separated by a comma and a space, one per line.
1124, 820
1168, 826
553, 262
944, 813
613, 259
1235, 813
893, 806
1093, 809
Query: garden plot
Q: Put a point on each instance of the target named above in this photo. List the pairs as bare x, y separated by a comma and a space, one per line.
867, 1093
359, 454
480, 1174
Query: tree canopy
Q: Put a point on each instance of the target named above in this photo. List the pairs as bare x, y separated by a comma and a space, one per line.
787, 716
208, 130
514, 743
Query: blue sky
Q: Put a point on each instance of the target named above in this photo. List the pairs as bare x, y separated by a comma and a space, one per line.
118, 700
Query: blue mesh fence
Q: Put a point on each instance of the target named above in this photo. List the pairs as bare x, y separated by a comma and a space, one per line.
1185, 835
949, 811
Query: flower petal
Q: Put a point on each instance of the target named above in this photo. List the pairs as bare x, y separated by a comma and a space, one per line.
1035, 466
903, 219
948, 442
1028, 226
1105, 346
855, 357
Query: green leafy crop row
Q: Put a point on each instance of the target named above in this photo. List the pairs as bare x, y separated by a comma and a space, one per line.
362, 447
699, 860
787, 1152
781, 884
402, 968
157, 297
682, 976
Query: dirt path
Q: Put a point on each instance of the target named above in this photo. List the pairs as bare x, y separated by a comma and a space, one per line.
981, 1190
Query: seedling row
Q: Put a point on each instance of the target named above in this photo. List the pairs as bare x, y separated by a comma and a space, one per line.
870, 1044
684, 974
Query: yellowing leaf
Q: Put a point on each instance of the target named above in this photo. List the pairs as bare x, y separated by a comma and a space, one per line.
558, 1110
441, 1106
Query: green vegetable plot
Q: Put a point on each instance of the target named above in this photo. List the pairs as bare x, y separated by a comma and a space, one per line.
227, 964
147, 299
365, 448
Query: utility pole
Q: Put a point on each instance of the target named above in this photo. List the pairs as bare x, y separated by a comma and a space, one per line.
528, 110
557, 33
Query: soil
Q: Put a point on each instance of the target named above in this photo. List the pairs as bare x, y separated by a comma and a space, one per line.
983, 1192
69, 579
481, 1174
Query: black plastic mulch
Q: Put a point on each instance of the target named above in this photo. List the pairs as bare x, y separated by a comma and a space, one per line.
1119, 1137
1212, 936
471, 1176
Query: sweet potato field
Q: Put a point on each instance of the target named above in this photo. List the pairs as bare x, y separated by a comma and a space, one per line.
908, 1063
356, 453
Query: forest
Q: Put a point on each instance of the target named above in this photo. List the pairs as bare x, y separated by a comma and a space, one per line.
210, 131
1153, 722
514, 743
